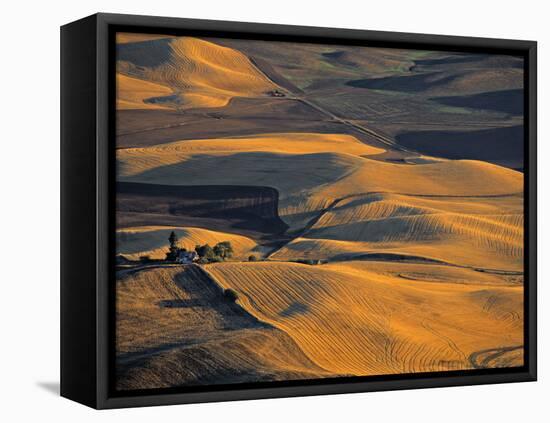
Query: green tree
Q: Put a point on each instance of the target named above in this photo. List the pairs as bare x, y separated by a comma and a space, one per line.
205, 251
173, 249
231, 294
223, 250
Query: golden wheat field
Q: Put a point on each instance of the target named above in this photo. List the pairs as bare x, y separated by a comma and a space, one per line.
359, 319
200, 73
276, 222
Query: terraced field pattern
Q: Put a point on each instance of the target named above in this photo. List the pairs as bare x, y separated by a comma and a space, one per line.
373, 198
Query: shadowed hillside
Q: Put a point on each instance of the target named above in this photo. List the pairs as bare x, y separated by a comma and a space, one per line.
249, 210
172, 330
503, 146
507, 101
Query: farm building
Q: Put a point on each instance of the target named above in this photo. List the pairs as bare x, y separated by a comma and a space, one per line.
187, 257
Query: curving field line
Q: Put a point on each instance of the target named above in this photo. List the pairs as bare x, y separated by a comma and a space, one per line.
497, 357
132, 93
476, 232
319, 169
175, 327
365, 320
199, 73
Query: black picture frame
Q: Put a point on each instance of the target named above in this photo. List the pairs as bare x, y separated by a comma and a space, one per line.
87, 212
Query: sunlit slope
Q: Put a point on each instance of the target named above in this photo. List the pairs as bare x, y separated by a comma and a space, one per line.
430, 272
174, 327
484, 232
313, 158
132, 93
316, 171
357, 320
257, 161
453, 178
152, 241
200, 73
282, 143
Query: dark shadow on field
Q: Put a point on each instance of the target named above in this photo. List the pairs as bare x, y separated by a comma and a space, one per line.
409, 84
200, 199
511, 356
404, 258
503, 146
294, 309
506, 101
150, 54
182, 303
247, 210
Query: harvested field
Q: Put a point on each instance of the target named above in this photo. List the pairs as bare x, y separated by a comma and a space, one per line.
373, 198
133, 93
356, 319
485, 232
172, 327
202, 74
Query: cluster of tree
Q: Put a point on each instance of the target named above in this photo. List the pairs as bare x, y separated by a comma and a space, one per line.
220, 252
207, 254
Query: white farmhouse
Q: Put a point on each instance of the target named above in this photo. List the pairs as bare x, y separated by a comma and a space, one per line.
187, 257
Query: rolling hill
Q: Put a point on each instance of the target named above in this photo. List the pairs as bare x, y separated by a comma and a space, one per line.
318, 170
172, 330
354, 319
199, 73
132, 93
484, 232
153, 241
394, 174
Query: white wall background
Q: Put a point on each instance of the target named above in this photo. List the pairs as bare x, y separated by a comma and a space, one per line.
29, 236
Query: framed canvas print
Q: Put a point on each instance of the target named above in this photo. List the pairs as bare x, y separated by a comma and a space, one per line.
256, 211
